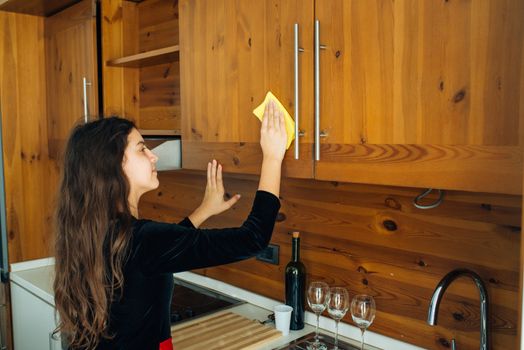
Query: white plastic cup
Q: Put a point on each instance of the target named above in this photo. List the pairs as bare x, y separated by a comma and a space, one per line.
283, 318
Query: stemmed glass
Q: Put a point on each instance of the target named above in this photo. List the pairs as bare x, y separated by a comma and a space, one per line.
338, 305
317, 299
363, 313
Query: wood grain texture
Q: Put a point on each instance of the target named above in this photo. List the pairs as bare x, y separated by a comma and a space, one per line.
223, 331
30, 175
119, 39
148, 58
470, 168
372, 239
148, 94
160, 97
231, 54
70, 44
243, 157
6, 326
445, 74
430, 72
158, 24
434, 85
36, 7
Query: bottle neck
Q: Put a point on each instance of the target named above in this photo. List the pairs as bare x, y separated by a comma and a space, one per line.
295, 250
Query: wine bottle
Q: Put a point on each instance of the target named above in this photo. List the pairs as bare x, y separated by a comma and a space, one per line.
296, 285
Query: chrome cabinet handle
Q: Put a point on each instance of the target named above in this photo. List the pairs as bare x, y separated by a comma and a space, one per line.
86, 103
298, 133
318, 135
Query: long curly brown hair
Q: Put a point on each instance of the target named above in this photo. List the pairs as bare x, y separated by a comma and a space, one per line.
93, 223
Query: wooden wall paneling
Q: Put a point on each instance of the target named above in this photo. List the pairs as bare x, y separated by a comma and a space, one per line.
346, 241
120, 38
157, 24
30, 176
160, 97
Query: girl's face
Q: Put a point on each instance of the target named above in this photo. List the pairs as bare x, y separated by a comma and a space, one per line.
139, 165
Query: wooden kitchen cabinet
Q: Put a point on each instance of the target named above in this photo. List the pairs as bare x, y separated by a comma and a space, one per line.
422, 93
71, 71
419, 94
231, 54
140, 56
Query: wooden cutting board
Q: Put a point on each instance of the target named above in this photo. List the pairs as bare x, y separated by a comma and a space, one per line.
223, 330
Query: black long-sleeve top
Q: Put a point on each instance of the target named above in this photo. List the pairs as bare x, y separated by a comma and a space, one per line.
140, 319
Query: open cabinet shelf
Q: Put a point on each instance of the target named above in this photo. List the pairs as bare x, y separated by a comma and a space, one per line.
148, 58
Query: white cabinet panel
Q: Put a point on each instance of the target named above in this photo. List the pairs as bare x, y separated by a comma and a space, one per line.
33, 321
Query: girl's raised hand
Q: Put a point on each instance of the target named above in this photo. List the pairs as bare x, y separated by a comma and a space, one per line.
273, 136
213, 202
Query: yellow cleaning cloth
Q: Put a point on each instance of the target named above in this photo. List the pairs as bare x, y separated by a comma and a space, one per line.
290, 123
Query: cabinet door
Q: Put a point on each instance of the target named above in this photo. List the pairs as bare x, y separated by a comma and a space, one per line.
33, 321
71, 69
231, 54
422, 93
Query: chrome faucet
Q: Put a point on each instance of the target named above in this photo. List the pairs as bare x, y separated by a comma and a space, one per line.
439, 292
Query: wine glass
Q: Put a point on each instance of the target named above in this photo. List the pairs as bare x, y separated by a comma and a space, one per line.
338, 305
317, 299
363, 313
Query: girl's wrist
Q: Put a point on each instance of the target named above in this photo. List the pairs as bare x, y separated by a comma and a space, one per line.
271, 160
198, 217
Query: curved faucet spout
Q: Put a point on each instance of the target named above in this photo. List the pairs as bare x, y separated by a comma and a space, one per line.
439, 292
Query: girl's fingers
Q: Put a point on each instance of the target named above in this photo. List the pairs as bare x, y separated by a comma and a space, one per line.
220, 184
265, 118
233, 200
214, 174
282, 122
277, 115
208, 174
271, 122
278, 120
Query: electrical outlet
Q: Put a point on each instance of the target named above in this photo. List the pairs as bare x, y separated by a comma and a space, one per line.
270, 254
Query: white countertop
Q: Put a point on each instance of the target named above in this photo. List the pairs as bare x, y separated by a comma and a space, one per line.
36, 276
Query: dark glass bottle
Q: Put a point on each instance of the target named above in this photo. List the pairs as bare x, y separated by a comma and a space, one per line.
296, 285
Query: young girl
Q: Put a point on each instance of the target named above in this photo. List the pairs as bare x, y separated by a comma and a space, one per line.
114, 282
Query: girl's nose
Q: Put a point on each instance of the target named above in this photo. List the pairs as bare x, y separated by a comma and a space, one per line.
153, 157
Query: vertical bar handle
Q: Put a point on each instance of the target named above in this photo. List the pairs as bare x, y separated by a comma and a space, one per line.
86, 102
317, 90
298, 133
296, 92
